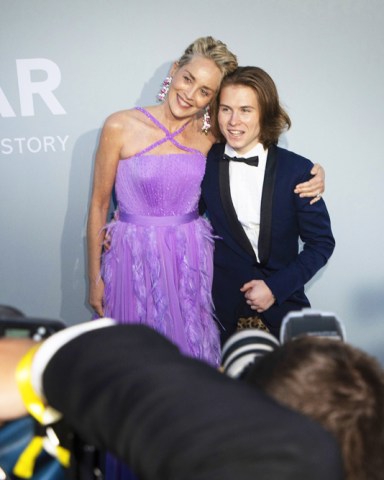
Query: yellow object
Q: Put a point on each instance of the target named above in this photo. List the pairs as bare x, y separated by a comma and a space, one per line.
44, 414
26, 462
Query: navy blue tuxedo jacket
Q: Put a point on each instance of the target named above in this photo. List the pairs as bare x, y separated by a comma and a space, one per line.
285, 219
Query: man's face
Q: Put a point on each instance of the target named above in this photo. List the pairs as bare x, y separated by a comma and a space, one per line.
239, 117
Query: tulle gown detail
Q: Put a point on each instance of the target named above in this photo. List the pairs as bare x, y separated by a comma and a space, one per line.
158, 270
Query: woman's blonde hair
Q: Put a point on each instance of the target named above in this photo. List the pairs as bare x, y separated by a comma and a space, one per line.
215, 50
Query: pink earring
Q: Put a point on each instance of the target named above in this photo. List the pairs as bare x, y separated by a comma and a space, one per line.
164, 89
206, 120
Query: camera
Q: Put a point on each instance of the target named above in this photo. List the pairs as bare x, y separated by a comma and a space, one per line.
26, 327
308, 322
243, 348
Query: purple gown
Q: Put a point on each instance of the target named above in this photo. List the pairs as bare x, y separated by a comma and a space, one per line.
158, 270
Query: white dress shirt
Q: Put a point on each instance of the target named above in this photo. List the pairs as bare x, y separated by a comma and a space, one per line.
246, 186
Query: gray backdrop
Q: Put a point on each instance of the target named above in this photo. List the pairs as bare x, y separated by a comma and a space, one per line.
64, 66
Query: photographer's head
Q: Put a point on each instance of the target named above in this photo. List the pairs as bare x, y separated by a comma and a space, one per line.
336, 384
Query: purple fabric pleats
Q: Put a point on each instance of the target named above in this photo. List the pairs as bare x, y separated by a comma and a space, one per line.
158, 270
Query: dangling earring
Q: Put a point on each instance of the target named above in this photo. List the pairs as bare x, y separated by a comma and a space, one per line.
206, 120
164, 89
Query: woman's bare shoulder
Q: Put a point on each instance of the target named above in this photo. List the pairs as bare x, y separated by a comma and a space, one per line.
128, 120
120, 119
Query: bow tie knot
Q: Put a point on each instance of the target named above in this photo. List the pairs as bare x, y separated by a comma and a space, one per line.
253, 161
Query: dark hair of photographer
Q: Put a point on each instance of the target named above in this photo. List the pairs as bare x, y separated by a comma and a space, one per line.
339, 386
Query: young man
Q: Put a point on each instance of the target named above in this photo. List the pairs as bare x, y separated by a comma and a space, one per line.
249, 194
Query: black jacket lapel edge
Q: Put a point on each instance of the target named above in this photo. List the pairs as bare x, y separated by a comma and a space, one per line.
264, 245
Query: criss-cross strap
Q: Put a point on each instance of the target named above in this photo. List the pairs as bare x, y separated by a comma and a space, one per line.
169, 136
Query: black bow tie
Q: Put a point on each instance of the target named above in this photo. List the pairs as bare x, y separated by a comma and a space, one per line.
253, 161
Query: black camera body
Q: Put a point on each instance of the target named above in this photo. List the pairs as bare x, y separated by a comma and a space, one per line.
26, 327
314, 323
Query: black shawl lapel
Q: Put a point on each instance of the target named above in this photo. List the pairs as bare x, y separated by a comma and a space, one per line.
264, 246
237, 230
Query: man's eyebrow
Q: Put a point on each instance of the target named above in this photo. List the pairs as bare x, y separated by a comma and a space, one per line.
241, 106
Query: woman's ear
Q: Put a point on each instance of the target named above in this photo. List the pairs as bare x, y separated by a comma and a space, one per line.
174, 69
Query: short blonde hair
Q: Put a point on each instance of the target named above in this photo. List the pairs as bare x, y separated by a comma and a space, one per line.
213, 49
